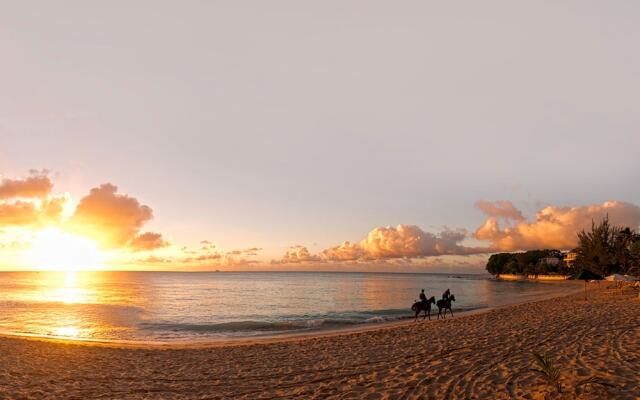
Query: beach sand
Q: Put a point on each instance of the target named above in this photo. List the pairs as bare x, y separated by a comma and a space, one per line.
484, 355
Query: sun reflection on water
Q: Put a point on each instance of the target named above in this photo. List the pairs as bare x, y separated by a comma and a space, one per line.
67, 331
71, 292
59, 303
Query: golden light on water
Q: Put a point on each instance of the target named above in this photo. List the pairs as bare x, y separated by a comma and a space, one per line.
67, 331
73, 288
70, 293
52, 249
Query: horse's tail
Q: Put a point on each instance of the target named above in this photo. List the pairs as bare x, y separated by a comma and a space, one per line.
415, 306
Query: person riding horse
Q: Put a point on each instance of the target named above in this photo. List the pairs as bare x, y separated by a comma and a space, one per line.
423, 305
445, 304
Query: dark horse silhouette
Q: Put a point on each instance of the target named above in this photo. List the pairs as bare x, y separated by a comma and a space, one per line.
423, 306
445, 304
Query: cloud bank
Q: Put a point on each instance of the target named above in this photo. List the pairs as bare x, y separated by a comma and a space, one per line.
204, 257
505, 229
116, 221
554, 227
387, 243
397, 242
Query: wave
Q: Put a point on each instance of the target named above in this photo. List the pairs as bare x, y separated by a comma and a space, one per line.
248, 326
290, 324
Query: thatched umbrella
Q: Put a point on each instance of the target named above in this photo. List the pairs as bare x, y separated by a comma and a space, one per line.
586, 275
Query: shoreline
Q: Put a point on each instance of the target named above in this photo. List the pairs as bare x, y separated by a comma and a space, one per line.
274, 338
486, 354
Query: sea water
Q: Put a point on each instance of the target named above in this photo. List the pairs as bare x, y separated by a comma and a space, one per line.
201, 306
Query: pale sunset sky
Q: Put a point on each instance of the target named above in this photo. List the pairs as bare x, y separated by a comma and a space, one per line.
347, 135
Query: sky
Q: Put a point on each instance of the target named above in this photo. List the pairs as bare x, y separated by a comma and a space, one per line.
267, 134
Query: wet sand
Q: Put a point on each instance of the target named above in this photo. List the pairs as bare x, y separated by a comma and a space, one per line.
482, 355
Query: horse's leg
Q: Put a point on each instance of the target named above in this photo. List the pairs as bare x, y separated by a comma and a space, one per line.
429, 309
451, 311
417, 312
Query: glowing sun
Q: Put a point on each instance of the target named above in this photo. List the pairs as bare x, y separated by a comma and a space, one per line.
52, 249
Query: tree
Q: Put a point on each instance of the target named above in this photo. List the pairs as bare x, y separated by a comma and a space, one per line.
634, 254
497, 263
527, 263
609, 249
595, 248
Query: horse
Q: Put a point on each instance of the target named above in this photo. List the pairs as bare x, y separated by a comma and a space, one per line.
423, 306
445, 304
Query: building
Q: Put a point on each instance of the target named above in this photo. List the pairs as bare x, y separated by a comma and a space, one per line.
570, 258
550, 260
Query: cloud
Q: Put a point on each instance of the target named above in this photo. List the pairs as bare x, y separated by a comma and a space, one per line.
207, 257
401, 241
32, 213
38, 185
554, 227
18, 213
297, 254
252, 251
154, 260
147, 241
113, 220
387, 243
202, 257
28, 201
347, 251
500, 208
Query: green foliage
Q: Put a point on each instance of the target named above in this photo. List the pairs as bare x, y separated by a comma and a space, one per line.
551, 372
608, 249
497, 263
528, 262
548, 370
634, 252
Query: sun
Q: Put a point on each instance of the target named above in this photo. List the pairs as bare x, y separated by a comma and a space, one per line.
52, 249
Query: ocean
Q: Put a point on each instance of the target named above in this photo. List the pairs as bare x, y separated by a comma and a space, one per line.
205, 306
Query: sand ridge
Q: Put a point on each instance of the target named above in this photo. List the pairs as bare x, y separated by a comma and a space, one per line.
484, 355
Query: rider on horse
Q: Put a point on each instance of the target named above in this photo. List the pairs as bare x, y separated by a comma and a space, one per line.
423, 297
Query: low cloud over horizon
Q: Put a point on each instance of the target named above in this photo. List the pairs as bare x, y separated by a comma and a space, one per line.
506, 229
554, 227
115, 221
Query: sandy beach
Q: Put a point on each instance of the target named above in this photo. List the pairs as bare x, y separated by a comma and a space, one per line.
484, 355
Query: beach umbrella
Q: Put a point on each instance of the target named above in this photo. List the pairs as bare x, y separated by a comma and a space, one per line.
586, 275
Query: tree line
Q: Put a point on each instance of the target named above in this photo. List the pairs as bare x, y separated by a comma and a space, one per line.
605, 250
531, 262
